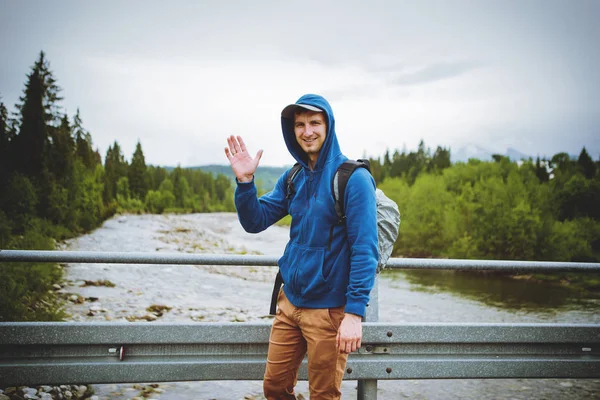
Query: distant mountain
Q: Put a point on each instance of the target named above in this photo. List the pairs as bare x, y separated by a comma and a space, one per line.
265, 178
516, 155
463, 154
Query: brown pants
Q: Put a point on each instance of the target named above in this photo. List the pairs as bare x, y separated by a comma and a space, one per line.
295, 332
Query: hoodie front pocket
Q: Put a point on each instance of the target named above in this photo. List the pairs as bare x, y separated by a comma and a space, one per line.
306, 271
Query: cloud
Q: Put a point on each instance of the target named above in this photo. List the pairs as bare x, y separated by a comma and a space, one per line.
434, 72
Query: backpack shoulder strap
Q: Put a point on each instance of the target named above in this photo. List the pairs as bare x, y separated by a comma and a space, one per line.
291, 190
340, 181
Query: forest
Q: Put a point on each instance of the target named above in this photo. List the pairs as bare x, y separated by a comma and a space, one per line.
54, 185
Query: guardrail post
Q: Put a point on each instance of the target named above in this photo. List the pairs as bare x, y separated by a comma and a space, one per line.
367, 388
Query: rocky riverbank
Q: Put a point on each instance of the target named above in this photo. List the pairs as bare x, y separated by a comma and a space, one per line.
62, 392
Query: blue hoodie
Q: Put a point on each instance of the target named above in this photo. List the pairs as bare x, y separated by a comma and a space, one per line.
325, 264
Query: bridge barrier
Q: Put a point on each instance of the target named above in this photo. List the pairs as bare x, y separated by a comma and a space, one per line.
83, 353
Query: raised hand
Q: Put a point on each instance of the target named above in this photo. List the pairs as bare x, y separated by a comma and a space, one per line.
242, 163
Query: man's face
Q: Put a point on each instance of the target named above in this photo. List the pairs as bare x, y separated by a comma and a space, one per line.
310, 129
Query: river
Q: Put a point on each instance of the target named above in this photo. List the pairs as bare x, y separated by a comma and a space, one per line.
223, 294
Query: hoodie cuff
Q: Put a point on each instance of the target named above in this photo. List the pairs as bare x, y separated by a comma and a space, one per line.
356, 309
245, 185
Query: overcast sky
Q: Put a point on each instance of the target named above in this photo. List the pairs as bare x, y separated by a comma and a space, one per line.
182, 75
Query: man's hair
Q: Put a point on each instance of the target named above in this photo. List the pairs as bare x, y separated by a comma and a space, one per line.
300, 111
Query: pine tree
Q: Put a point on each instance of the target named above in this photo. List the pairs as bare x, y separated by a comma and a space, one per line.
137, 174
83, 143
586, 164
62, 151
4, 145
38, 111
115, 167
440, 160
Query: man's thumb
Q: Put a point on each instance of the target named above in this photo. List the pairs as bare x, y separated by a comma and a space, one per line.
258, 156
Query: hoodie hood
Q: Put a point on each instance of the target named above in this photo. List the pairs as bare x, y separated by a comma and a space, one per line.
330, 147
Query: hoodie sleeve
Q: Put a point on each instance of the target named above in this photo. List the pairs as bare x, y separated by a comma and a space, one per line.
257, 214
361, 224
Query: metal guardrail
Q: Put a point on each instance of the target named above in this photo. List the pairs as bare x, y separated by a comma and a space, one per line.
70, 353
254, 260
83, 353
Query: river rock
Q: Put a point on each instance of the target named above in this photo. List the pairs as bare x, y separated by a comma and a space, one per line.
45, 396
63, 387
3, 397
150, 317
75, 298
45, 388
68, 394
240, 318
56, 286
81, 390
29, 391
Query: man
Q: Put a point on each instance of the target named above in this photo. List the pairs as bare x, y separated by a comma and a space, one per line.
328, 267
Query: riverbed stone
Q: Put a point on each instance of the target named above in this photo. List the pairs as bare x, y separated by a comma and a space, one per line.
81, 389
3, 397
29, 391
240, 318
68, 394
45, 388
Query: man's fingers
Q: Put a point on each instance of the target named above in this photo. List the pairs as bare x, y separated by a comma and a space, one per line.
236, 145
242, 144
227, 153
348, 347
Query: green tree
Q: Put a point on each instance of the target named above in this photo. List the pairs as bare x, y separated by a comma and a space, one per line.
123, 193
5, 150
115, 168
138, 183
61, 155
586, 165
541, 171
38, 109
83, 144
577, 198
440, 160
423, 218
19, 202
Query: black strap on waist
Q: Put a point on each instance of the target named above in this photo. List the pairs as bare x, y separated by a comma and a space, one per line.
276, 288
